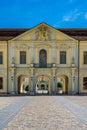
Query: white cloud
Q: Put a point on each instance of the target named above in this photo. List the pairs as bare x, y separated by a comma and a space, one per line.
72, 16
86, 15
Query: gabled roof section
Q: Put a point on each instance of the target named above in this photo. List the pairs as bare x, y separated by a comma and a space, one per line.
76, 33
41, 32
10, 33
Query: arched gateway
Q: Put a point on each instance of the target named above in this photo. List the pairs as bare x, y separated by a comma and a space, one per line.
23, 82
63, 80
42, 85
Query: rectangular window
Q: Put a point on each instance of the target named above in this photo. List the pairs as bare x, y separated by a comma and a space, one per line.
1, 83
62, 57
22, 57
85, 83
85, 57
1, 57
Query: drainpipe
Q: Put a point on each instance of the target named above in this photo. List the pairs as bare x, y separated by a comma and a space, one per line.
7, 66
78, 63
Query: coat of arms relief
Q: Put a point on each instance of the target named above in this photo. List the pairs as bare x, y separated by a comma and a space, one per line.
43, 33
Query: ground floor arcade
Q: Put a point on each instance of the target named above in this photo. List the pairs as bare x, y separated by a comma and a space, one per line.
43, 81
43, 84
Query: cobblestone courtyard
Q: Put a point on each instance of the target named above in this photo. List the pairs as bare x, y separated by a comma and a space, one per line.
43, 113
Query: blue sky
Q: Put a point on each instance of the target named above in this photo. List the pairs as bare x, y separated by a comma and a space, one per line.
57, 13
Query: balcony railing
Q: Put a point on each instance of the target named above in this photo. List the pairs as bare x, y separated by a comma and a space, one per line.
42, 66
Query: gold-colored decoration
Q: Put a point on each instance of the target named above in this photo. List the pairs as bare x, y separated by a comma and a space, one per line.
43, 32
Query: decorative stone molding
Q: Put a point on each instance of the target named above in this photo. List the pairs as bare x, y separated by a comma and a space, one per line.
63, 46
46, 76
3, 74
46, 73
47, 70
66, 72
22, 47
21, 73
42, 45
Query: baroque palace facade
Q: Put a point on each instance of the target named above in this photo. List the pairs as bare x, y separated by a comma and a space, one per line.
42, 57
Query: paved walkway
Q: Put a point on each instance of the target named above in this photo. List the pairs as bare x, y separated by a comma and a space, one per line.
76, 109
46, 113
8, 111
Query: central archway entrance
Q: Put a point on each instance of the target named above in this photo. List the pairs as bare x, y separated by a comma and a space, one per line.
43, 85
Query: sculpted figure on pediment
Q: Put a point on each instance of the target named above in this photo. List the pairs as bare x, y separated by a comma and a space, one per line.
42, 33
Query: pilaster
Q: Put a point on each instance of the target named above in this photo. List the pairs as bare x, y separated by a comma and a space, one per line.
73, 81
13, 89
54, 80
32, 79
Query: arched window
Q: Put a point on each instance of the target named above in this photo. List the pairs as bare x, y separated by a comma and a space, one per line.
43, 58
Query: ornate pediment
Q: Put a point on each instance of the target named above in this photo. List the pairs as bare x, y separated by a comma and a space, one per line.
42, 32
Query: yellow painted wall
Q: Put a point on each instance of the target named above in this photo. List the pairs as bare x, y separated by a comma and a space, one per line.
38, 45
3, 67
83, 47
3, 48
83, 67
